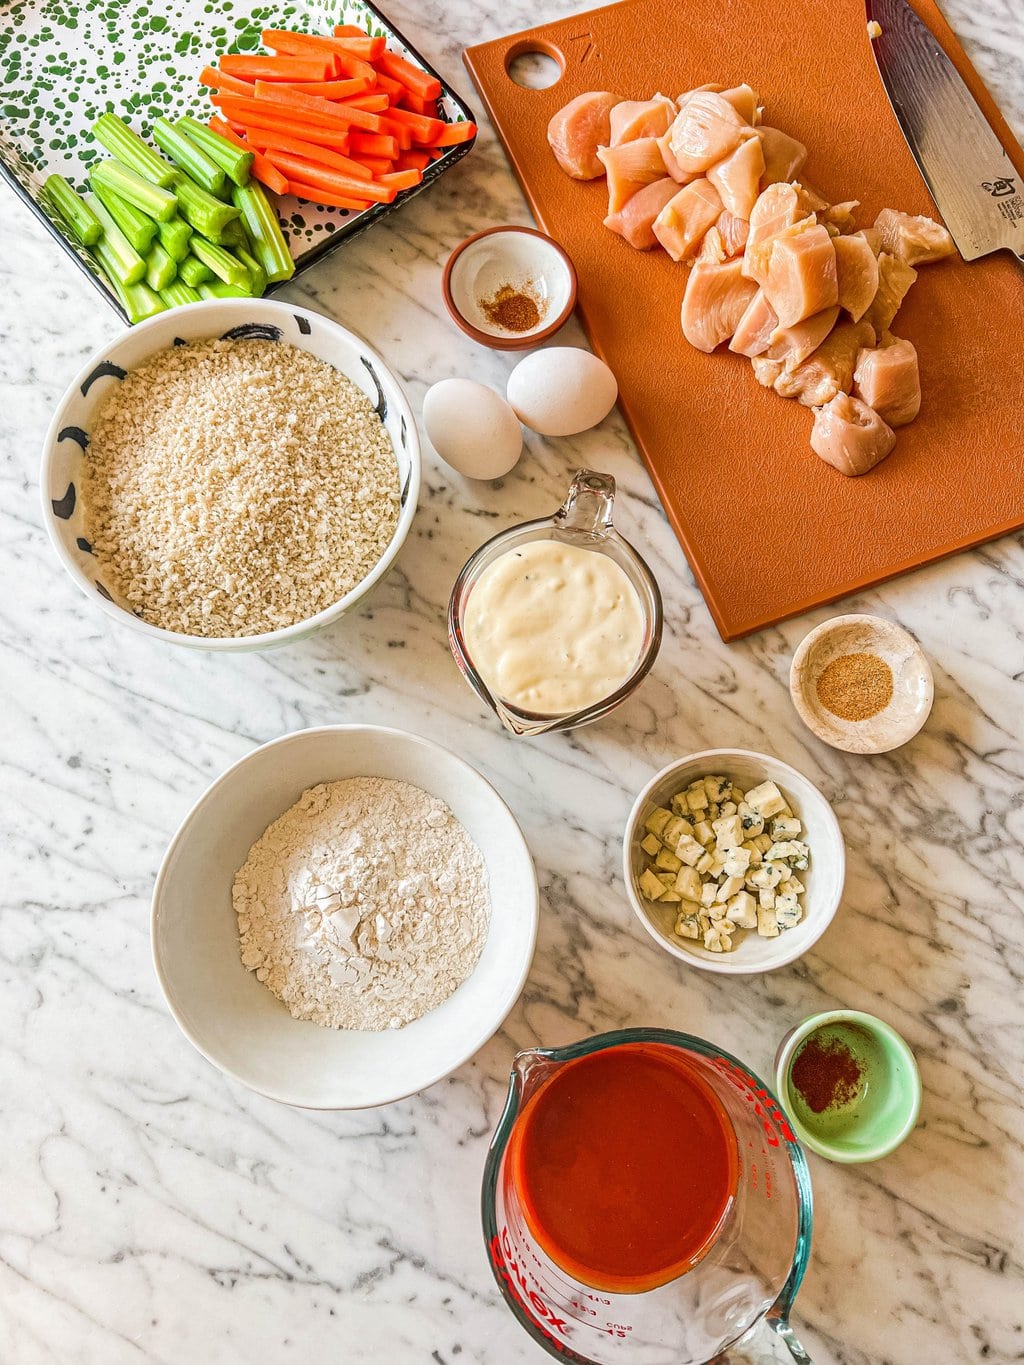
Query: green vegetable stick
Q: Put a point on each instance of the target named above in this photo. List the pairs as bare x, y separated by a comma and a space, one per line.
235, 162
160, 268
174, 238
138, 300
233, 234
136, 225
261, 223
131, 151
114, 252
193, 272
225, 266
192, 159
179, 293
257, 275
74, 210
158, 203
202, 211
220, 290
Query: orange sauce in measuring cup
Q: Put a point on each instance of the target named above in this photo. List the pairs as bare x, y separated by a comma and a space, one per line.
625, 1165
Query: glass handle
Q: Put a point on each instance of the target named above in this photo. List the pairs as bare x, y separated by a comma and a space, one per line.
763, 1345
587, 510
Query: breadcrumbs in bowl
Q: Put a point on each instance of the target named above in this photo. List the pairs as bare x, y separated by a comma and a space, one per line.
231, 475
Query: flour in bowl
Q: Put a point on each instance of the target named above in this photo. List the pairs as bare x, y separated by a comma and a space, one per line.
364, 905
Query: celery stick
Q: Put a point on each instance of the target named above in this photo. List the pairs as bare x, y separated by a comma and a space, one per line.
114, 252
174, 238
160, 268
74, 210
225, 266
136, 225
235, 162
178, 293
192, 159
158, 203
205, 213
138, 300
221, 290
131, 151
193, 272
257, 275
264, 230
233, 234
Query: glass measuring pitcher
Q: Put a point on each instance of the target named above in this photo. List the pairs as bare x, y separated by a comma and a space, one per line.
585, 520
733, 1302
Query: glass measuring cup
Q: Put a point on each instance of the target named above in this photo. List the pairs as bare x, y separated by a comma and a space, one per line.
728, 1305
585, 520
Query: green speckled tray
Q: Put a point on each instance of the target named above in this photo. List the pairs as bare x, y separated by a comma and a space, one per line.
62, 65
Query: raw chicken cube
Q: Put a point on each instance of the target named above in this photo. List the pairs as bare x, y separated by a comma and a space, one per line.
736, 177
857, 272
767, 372
631, 119
754, 330
712, 248
894, 281
887, 379
672, 166
630, 167
840, 216
828, 370
793, 345
801, 275
850, 436
634, 222
913, 240
715, 300
686, 217
776, 211
578, 129
783, 155
744, 100
706, 129
734, 232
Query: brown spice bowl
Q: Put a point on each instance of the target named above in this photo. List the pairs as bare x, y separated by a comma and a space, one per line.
523, 259
912, 685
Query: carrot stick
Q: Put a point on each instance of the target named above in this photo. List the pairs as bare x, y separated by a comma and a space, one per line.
314, 109
400, 180
322, 178
303, 44
283, 68
393, 89
418, 106
454, 134
369, 49
426, 131
419, 82
399, 131
333, 90
348, 31
216, 80
264, 172
373, 144
375, 103
376, 165
325, 197
412, 161
262, 114
272, 143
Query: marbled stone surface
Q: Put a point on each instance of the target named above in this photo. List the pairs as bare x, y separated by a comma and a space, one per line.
150, 1209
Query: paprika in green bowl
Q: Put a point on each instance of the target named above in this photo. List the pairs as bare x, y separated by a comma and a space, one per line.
849, 1084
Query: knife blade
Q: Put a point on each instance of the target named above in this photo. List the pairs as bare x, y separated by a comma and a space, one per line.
975, 185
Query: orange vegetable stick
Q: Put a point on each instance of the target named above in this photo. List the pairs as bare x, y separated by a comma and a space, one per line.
373, 144
419, 82
399, 131
264, 172
369, 49
393, 89
285, 68
377, 165
325, 197
312, 108
412, 161
303, 44
272, 143
400, 180
425, 131
333, 90
376, 103
217, 80
348, 31
266, 115
455, 133
322, 178
418, 106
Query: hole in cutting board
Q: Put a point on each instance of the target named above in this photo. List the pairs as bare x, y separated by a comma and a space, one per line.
534, 68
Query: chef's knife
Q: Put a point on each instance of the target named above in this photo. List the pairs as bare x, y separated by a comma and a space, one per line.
974, 183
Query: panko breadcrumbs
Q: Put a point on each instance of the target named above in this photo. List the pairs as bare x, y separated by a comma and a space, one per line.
237, 487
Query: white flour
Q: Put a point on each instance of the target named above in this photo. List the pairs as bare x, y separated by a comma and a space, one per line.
364, 906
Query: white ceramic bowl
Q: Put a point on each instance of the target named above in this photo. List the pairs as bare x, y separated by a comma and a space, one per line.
235, 1021
67, 439
823, 879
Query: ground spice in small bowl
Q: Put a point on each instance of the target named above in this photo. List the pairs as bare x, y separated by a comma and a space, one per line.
826, 1074
514, 309
855, 686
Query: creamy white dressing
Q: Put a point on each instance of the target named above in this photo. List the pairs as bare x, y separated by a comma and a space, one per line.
552, 628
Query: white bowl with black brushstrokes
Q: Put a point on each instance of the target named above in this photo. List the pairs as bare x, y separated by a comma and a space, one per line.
66, 445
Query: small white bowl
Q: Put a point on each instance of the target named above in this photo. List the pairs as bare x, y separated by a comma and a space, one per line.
235, 1021
66, 442
912, 694
824, 878
518, 256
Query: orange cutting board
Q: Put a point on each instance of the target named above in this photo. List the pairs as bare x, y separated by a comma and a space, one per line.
769, 529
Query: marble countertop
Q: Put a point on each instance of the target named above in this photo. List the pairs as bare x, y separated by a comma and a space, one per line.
153, 1210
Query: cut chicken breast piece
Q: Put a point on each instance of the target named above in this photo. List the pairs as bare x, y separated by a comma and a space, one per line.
744, 100
873, 237
792, 345
829, 369
737, 176
850, 436
631, 119
857, 273
801, 275
784, 157
714, 87
894, 281
887, 379
712, 248
672, 166
706, 129
578, 129
913, 240
808, 199
766, 372
635, 220
735, 232
775, 210
754, 330
630, 167
686, 217
840, 216
716, 298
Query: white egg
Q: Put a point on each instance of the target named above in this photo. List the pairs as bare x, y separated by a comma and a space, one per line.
562, 390
472, 428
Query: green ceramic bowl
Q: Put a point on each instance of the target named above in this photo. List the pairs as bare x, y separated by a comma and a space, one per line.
874, 1108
